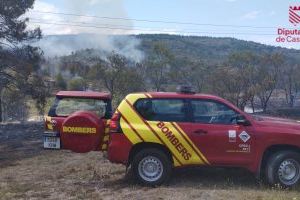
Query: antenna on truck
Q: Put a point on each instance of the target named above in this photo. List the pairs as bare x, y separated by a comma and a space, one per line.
186, 89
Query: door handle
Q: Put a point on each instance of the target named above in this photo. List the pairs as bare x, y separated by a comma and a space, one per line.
200, 132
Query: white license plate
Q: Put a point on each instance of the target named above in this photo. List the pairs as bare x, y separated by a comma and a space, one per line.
51, 142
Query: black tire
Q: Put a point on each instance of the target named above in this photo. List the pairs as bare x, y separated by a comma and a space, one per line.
283, 169
154, 157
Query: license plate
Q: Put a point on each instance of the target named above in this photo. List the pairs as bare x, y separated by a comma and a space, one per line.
51, 142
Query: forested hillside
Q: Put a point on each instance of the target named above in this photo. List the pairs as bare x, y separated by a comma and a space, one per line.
245, 73
211, 49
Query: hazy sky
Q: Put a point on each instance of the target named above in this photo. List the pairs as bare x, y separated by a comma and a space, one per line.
264, 17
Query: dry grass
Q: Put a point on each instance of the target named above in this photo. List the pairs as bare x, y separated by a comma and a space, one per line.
66, 175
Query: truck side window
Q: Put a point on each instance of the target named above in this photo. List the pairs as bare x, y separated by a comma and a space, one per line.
212, 112
169, 110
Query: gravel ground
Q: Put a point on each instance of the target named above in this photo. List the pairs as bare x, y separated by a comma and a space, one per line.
29, 172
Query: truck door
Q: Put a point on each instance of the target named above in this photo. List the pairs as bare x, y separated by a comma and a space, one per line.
215, 132
78, 124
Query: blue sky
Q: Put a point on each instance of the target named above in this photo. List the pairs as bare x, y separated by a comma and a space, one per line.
269, 13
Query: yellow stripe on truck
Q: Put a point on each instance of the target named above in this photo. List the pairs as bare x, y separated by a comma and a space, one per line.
48, 122
106, 136
129, 133
137, 123
147, 132
177, 143
136, 129
176, 163
193, 146
104, 146
132, 98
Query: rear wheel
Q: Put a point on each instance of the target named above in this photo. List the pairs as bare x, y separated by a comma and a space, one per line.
152, 166
283, 168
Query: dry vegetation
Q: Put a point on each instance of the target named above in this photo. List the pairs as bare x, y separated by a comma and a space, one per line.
29, 172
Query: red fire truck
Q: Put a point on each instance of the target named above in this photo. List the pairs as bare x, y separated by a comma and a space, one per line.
158, 131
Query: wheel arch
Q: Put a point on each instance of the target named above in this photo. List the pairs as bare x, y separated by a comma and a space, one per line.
144, 145
270, 151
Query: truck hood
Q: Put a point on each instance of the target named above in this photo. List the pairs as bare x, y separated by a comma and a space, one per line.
276, 122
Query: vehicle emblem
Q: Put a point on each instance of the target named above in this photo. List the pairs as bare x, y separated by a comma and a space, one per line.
232, 135
244, 136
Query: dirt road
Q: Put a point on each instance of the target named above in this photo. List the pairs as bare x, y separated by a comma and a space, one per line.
29, 172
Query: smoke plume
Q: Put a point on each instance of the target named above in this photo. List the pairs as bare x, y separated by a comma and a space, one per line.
91, 33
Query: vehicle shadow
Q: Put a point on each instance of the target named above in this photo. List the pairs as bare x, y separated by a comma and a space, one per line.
200, 177
218, 178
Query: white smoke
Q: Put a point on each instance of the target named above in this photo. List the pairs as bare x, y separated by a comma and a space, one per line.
64, 39
60, 45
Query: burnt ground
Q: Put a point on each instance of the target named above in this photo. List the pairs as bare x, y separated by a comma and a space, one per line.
27, 171
19, 141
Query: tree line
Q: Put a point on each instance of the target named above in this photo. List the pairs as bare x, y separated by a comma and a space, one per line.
244, 78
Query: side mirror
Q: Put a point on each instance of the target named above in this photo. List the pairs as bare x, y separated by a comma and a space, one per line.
241, 120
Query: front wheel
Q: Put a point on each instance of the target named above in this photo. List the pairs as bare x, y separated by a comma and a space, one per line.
283, 168
152, 167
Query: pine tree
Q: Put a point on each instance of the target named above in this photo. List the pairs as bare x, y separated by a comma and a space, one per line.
17, 58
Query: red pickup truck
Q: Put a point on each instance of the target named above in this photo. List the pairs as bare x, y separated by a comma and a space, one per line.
158, 131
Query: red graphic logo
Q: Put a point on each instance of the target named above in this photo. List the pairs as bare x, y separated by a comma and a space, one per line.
294, 15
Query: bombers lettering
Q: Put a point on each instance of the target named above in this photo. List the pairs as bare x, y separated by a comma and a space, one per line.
80, 130
172, 138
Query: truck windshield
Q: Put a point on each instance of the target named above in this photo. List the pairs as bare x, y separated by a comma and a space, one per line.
63, 107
